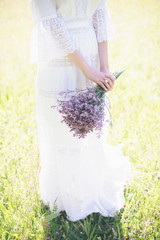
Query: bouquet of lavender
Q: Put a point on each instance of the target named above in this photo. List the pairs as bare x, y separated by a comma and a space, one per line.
85, 110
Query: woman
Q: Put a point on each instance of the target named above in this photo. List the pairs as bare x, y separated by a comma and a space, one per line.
69, 43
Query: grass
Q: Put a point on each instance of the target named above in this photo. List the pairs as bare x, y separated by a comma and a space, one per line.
135, 112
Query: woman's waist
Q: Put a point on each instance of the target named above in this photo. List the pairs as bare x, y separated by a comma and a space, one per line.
79, 24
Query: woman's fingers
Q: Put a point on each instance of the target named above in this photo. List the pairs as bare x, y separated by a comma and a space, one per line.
109, 75
108, 83
109, 86
105, 80
103, 86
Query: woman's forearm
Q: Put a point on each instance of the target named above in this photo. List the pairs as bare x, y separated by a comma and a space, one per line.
79, 60
103, 55
97, 76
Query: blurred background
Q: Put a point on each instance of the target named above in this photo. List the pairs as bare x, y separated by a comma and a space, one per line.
135, 112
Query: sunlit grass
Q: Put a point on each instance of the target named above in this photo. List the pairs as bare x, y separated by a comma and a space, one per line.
136, 116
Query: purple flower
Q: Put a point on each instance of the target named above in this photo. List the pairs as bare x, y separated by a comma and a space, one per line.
48, 238
85, 111
57, 233
47, 226
133, 232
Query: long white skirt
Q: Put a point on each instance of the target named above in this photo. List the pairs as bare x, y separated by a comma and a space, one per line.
81, 176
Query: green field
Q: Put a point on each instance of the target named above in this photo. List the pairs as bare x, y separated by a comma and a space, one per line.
136, 122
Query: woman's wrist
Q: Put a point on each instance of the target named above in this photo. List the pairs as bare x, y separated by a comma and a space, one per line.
103, 56
104, 68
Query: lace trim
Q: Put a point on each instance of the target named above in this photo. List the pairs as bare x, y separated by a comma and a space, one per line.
66, 62
102, 25
59, 32
106, 213
81, 30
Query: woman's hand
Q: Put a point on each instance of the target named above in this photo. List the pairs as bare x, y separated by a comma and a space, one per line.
103, 78
110, 76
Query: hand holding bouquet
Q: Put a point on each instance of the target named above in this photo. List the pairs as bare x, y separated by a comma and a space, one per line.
85, 110
104, 77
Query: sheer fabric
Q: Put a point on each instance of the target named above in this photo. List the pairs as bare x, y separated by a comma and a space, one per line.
102, 25
57, 28
51, 38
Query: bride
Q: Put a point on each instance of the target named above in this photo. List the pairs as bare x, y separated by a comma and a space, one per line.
69, 43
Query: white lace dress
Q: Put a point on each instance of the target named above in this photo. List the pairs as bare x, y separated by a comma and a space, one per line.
81, 176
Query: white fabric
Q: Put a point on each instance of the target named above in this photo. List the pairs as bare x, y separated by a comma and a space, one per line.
51, 38
56, 27
80, 175
102, 24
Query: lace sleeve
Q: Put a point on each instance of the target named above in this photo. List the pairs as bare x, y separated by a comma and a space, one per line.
50, 38
56, 27
102, 23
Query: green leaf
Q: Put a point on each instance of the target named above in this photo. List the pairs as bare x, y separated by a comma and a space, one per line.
74, 235
51, 216
92, 233
118, 73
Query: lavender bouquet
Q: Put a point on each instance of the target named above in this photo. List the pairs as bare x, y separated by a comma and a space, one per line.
85, 111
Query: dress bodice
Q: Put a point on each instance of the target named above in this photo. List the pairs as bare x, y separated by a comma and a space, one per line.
66, 9
50, 33
80, 7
